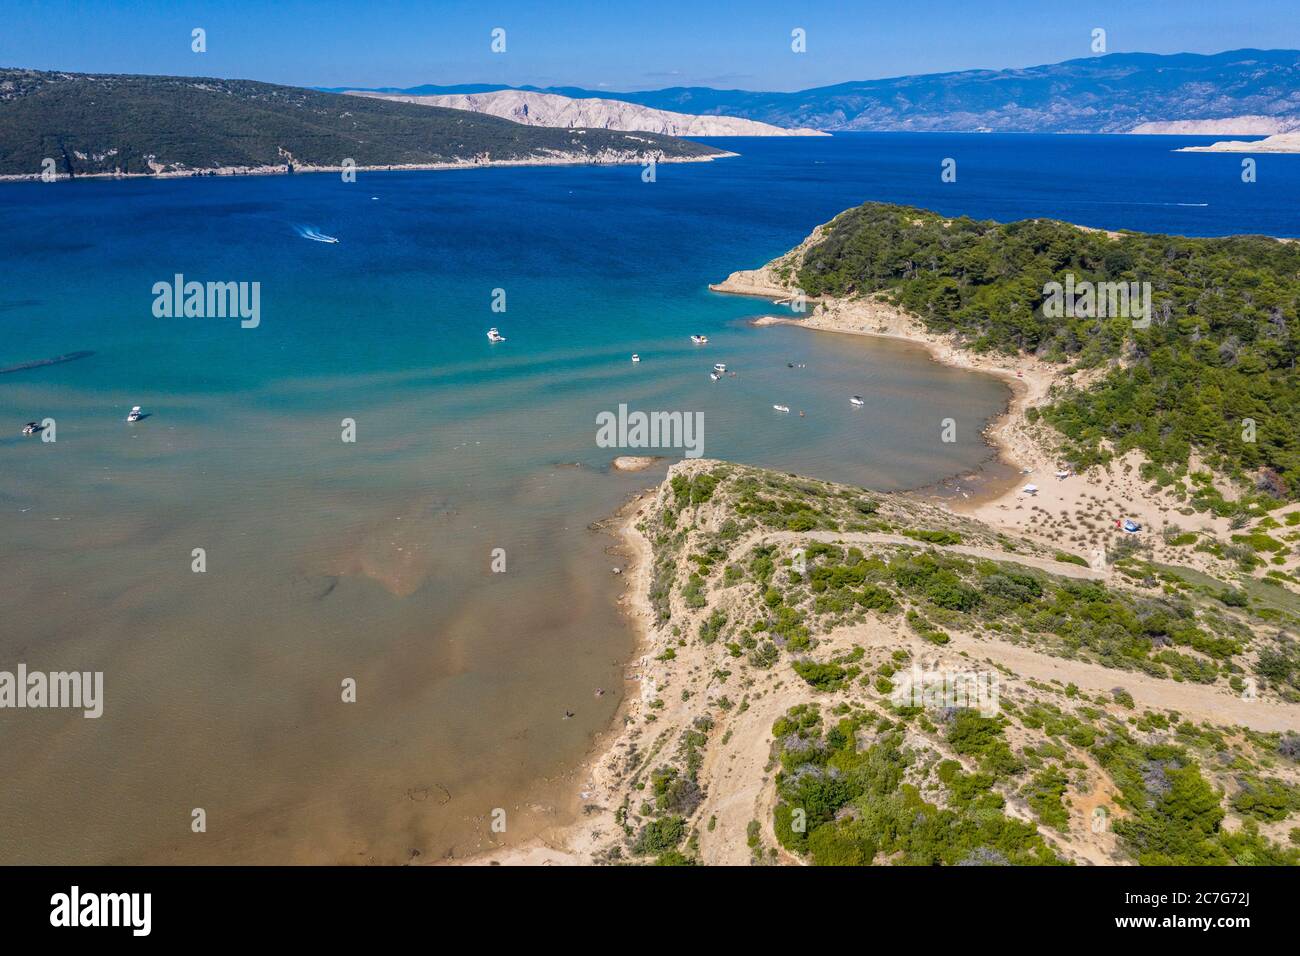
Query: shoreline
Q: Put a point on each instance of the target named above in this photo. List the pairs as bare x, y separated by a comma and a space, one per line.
674, 694
285, 170
573, 842
1279, 144
1000, 504
576, 841
1001, 450
1029, 380
1101, 493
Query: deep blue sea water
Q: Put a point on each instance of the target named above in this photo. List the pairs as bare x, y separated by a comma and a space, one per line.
370, 560
421, 252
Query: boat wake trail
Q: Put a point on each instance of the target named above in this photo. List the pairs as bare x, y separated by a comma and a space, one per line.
311, 232
1132, 202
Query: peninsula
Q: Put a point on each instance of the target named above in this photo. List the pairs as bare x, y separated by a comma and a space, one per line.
191, 126
792, 698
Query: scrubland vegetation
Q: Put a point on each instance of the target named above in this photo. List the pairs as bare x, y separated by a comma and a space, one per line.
757, 579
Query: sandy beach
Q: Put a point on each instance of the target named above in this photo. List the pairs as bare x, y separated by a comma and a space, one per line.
1070, 512
586, 822
1077, 511
678, 687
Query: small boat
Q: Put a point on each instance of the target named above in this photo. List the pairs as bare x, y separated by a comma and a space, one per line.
32, 428
857, 400
714, 376
635, 357
494, 335
135, 414
700, 339
719, 368
782, 408
315, 235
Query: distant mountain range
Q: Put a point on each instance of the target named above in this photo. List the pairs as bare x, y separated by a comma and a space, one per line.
105, 124
1242, 91
551, 109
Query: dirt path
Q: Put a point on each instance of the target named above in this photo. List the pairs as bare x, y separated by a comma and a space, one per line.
1062, 568
1197, 702
739, 785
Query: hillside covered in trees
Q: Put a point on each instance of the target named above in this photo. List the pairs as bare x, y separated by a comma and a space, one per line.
1220, 348
92, 123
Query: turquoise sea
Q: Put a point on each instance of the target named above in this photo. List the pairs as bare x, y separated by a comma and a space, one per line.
370, 560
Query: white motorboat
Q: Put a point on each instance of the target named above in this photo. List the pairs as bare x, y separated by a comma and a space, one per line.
857, 400
135, 414
782, 408
714, 376
700, 339
32, 428
635, 357
494, 335
720, 367
307, 232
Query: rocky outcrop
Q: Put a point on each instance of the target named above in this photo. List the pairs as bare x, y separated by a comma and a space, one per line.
549, 109
1281, 143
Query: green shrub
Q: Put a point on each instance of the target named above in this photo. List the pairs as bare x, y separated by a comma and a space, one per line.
825, 677
660, 836
1044, 793
934, 537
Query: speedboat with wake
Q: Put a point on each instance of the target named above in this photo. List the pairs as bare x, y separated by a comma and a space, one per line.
700, 339
782, 408
309, 232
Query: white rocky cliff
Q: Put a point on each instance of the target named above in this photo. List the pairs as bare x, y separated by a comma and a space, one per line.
549, 109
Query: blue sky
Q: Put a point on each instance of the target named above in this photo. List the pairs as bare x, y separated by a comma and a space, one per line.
614, 44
